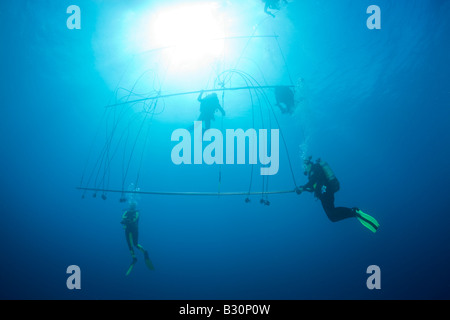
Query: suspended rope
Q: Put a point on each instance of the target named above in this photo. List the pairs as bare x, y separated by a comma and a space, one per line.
101, 171
221, 129
258, 88
284, 60
266, 200
258, 98
228, 75
278, 124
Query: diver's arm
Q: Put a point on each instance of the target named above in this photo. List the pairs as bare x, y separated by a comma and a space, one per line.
266, 7
200, 96
312, 180
308, 187
136, 216
221, 110
124, 221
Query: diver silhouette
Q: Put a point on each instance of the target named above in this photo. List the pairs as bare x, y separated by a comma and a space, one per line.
285, 99
208, 107
324, 184
130, 221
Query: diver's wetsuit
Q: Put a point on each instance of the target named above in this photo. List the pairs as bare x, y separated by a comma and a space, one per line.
285, 99
208, 106
324, 190
130, 220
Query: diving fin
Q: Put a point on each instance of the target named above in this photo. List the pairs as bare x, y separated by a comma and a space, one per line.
131, 267
367, 221
368, 225
148, 262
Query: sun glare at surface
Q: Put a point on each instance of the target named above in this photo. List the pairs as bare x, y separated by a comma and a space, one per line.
191, 31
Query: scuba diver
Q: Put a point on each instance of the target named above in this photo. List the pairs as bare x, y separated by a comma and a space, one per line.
324, 184
284, 99
208, 107
272, 4
130, 220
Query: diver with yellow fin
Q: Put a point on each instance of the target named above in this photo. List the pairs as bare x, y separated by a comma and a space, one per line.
324, 184
130, 220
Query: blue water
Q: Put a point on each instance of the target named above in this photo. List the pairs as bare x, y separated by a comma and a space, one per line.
376, 108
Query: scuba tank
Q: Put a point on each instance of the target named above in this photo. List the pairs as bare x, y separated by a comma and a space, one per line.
332, 181
329, 174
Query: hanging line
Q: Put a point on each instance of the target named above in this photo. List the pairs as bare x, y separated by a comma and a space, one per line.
285, 145
259, 87
282, 136
253, 125
248, 42
125, 171
221, 129
102, 160
284, 60
106, 156
148, 109
153, 110
267, 177
243, 76
103, 117
223, 107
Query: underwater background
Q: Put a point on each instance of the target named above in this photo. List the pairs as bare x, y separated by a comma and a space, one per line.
374, 104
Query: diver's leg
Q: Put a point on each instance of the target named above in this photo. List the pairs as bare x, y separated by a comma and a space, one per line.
333, 213
136, 241
195, 125
341, 213
137, 245
281, 107
147, 260
135, 238
129, 237
327, 200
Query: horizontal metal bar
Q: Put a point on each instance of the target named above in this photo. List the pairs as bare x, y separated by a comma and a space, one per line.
196, 92
161, 193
